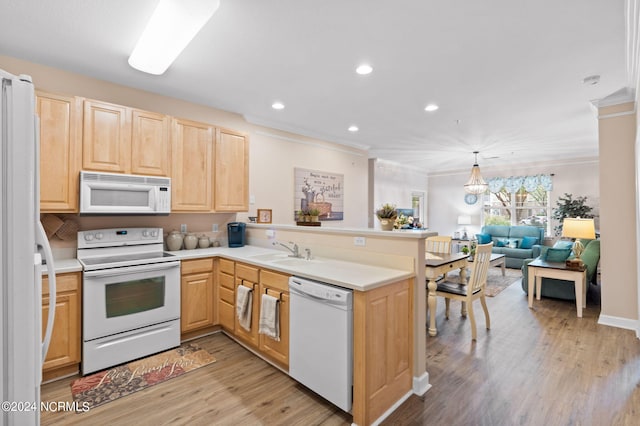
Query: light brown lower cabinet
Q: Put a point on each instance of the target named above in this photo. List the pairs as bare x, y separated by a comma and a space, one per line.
226, 293
248, 276
196, 294
277, 285
63, 356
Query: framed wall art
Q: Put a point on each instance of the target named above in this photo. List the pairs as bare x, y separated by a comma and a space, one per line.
264, 215
321, 191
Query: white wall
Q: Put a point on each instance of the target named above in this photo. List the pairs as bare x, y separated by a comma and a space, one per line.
393, 183
446, 191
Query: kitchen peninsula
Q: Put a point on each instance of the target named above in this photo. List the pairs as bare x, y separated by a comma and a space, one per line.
381, 268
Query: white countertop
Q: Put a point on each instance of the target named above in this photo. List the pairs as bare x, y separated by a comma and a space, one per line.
64, 265
356, 276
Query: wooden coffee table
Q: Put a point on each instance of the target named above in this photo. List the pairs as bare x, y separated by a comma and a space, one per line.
496, 260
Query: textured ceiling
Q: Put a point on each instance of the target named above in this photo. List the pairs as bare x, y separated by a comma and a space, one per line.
506, 74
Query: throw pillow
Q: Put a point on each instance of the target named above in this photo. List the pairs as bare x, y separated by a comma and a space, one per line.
528, 242
483, 238
513, 243
563, 244
500, 243
557, 254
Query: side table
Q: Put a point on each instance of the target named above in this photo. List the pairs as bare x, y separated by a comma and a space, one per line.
539, 269
458, 243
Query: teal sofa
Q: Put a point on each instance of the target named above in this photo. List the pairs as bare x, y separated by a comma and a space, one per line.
505, 237
561, 289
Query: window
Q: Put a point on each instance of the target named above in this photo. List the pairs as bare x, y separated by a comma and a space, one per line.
518, 201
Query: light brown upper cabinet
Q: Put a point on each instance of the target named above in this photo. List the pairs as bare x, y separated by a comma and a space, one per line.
150, 148
60, 151
231, 191
191, 166
106, 141
119, 139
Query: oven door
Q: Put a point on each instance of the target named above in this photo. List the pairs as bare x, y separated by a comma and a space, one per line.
122, 299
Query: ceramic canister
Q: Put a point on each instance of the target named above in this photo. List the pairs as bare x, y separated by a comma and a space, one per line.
190, 241
174, 240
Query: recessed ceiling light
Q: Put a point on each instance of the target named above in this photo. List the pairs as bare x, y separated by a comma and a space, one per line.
277, 105
431, 107
591, 80
353, 128
364, 69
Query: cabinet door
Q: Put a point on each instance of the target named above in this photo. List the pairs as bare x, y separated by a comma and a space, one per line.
249, 336
60, 151
196, 291
231, 192
106, 141
277, 285
64, 348
191, 163
150, 149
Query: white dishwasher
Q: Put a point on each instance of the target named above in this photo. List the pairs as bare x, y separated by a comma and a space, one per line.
321, 339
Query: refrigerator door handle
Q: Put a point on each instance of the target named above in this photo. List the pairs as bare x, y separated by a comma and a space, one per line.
43, 242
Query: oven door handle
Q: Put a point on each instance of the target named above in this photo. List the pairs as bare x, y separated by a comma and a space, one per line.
132, 269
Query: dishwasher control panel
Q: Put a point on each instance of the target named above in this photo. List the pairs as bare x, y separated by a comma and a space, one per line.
321, 290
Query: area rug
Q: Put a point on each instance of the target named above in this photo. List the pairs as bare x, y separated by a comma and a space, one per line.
495, 281
108, 385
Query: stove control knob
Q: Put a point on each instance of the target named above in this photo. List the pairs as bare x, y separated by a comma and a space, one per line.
88, 237
145, 233
99, 236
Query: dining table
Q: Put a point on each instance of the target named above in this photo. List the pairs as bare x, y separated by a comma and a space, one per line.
436, 265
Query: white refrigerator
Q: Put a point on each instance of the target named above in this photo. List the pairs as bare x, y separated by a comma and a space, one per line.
23, 246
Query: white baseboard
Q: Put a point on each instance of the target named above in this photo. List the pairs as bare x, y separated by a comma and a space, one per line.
626, 323
421, 384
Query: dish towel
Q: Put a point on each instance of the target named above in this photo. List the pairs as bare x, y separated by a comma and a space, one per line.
269, 317
243, 306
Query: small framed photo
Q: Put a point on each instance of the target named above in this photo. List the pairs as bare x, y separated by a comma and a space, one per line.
264, 215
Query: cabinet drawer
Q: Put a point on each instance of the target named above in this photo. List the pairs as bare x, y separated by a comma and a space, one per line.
275, 280
246, 272
197, 265
226, 281
227, 266
64, 282
227, 295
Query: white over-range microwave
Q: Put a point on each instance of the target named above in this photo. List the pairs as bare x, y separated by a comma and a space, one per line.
114, 193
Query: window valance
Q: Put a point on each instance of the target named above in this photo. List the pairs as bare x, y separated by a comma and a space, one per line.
514, 183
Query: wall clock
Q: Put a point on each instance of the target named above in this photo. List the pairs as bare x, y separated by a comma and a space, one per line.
470, 198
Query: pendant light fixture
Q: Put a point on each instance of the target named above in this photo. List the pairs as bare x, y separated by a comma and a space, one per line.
475, 184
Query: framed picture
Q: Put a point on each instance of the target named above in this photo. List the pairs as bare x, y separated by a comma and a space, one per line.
264, 215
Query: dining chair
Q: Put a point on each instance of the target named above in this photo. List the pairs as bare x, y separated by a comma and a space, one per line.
438, 244
472, 290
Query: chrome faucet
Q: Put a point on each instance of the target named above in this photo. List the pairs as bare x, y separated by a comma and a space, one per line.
295, 251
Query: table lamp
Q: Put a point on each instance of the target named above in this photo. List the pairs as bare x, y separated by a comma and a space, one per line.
578, 228
464, 219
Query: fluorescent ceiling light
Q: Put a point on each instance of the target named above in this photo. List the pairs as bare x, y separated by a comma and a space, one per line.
431, 107
353, 128
172, 26
364, 69
277, 105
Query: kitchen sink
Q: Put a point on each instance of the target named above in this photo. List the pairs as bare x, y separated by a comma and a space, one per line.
268, 257
293, 261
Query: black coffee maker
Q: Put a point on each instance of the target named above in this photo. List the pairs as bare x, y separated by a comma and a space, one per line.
236, 234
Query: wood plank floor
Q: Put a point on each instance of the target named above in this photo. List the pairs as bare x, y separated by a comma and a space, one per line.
534, 367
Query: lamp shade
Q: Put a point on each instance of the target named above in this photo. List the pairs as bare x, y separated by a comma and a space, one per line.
578, 228
464, 219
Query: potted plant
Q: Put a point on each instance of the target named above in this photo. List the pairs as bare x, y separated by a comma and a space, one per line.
387, 215
314, 213
570, 207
